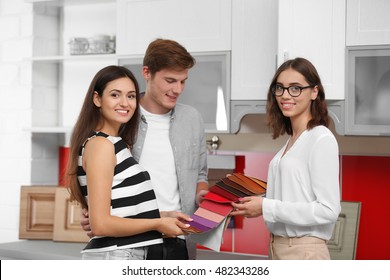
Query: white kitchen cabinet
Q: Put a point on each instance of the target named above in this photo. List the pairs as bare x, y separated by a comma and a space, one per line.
254, 45
315, 29
202, 25
368, 22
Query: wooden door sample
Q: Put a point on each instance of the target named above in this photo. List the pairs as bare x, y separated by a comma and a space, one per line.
37, 204
67, 219
343, 244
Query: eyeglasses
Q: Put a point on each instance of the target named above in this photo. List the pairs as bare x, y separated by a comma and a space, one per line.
294, 91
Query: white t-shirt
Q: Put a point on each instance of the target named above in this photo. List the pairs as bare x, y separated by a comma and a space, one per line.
157, 158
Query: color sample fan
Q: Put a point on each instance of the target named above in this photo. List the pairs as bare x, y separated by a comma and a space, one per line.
217, 202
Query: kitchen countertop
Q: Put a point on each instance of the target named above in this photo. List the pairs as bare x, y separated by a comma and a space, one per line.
41, 250
51, 250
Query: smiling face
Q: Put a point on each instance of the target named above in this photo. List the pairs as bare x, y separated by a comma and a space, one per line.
117, 105
296, 108
163, 89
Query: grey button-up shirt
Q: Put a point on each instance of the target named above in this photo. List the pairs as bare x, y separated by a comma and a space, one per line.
186, 134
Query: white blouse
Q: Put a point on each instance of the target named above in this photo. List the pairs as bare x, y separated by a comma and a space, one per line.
303, 193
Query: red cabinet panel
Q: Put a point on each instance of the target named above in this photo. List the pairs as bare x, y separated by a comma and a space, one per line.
252, 238
367, 179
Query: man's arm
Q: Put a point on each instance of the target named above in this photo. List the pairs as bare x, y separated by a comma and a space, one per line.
84, 222
202, 188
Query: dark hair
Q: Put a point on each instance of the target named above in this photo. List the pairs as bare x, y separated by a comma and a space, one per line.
275, 118
89, 120
163, 53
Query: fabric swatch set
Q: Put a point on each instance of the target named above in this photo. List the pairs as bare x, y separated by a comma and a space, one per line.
216, 205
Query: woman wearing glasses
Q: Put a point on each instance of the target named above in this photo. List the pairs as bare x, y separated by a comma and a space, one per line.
302, 202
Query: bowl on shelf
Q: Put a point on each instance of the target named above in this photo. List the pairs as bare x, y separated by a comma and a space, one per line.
99, 44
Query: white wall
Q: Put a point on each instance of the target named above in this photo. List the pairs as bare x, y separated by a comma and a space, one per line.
15, 106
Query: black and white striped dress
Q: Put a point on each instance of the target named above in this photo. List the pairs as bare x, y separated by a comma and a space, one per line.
132, 196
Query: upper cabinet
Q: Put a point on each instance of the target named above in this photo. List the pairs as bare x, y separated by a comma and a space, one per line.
254, 44
202, 25
254, 47
367, 22
368, 68
315, 29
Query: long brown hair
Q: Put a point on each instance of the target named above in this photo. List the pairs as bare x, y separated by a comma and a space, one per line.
89, 120
275, 118
167, 54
